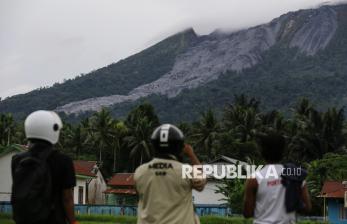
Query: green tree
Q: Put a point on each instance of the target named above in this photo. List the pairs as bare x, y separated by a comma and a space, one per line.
205, 132
101, 131
118, 143
141, 122
7, 129
233, 191
242, 118
79, 140
317, 133
331, 167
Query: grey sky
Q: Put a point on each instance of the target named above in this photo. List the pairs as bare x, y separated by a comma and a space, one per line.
46, 41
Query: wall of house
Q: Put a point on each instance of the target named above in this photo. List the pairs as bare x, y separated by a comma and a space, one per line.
208, 195
80, 184
334, 211
96, 190
5, 176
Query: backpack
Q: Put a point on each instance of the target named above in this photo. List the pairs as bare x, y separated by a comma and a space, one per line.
32, 187
293, 186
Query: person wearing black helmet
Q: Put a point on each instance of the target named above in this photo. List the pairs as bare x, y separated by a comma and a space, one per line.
164, 196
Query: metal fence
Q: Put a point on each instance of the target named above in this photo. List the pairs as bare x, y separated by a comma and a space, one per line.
5, 207
200, 209
106, 210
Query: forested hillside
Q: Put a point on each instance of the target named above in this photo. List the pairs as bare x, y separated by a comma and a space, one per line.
300, 54
117, 78
317, 140
280, 80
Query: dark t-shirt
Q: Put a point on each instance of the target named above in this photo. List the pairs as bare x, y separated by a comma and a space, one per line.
63, 177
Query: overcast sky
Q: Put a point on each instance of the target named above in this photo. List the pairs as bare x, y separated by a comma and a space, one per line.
46, 41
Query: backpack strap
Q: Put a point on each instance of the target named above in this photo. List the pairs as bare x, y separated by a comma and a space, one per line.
46, 154
41, 151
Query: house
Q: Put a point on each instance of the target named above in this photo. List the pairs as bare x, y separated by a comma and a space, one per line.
209, 196
90, 183
5, 170
121, 190
334, 194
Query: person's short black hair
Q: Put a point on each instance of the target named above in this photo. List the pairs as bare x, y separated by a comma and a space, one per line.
272, 146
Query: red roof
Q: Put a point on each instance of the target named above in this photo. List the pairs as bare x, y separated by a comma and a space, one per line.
333, 189
122, 179
85, 168
120, 191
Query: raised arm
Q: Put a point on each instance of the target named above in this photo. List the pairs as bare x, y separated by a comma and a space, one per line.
197, 183
188, 151
251, 187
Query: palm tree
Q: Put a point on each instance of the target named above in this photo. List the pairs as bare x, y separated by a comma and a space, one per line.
119, 132
64, 139
273, 120
19, 134
245, 102
242, 122
205, 132
333, 129
79, 140
141, 122
7, 129
317, 134
303, 108
101, 131
139, 140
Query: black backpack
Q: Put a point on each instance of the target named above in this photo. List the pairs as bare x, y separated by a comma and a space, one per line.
32, 187
293, 184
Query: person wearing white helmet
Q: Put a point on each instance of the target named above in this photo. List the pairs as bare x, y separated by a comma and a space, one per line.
43, 178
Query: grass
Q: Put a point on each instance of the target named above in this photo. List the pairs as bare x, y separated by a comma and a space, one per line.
224, 220
107, 219
6, 221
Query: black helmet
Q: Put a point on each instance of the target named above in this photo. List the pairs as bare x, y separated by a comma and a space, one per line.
167, 139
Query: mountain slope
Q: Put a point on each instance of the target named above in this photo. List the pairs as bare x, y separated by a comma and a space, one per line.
308, 30
298, 54
118, 78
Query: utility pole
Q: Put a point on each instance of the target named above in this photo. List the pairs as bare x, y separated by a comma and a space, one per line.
324, 210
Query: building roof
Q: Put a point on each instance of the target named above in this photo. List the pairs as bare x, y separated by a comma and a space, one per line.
85, 168
333, 189
120, 191
122, 179
227, 160
12, 148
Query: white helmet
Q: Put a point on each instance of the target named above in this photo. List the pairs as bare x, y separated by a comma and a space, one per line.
44, 125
